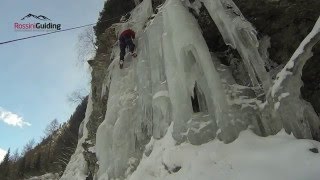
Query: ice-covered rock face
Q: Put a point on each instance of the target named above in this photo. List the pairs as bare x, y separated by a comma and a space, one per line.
176, 80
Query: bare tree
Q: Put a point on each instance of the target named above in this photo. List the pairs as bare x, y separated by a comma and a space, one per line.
67, 146
52, 127
15, 156
28, 147
77, 96
86, 45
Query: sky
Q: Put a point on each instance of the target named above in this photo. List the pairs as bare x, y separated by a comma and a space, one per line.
37, 75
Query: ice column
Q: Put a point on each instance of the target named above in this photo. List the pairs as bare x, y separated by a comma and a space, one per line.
161, 104
183, 39
239, 33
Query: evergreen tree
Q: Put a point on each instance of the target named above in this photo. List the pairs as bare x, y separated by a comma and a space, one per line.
5, 166
37, 164
21, 167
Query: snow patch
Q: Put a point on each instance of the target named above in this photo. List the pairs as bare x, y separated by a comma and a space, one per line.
92, 149
48, 176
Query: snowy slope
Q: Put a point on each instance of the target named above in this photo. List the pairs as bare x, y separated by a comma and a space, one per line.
250, 157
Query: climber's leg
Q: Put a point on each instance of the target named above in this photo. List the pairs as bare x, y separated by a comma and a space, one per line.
130, 44
122, 50
122, 45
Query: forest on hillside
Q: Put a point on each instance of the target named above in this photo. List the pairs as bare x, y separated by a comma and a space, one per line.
51, 154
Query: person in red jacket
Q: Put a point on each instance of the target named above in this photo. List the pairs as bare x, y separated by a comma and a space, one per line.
125, 40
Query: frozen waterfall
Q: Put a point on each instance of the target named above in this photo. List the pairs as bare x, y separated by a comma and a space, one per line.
175, 80
173, 69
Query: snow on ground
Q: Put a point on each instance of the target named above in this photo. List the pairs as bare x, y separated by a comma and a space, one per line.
249, 157
48, 176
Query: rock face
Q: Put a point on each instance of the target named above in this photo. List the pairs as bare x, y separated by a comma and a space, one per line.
286, 22
111, 13
99, 95
311, 78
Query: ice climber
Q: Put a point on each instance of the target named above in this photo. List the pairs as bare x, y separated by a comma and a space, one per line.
125, 40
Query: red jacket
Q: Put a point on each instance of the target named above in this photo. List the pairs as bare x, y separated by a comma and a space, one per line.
128, 33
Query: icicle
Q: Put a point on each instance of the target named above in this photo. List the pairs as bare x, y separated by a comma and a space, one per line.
239, 34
